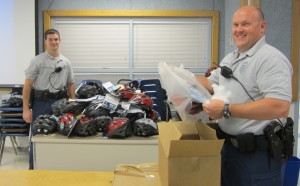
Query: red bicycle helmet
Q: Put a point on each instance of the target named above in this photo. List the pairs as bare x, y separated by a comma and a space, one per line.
118, 128
142, 100
123, 92
65, 123
209, 71
154, 115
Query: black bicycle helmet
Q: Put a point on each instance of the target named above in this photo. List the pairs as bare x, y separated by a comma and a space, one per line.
94, 109
102, 122
59, 107
75, 107
145, 127
45, 124
85, 127
86, 91
16, 101
90, 89
134, 113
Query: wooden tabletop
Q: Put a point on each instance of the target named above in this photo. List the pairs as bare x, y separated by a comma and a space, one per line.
54, 178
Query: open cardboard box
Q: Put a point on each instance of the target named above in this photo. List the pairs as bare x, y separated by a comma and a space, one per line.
189, 154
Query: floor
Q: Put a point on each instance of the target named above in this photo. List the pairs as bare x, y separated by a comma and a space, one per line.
12, 161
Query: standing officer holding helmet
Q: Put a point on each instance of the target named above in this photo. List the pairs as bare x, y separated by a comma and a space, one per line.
51, 76
259, 79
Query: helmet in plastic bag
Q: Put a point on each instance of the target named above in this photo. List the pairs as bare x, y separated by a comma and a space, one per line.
102, 122
142, 100
65, 123
16, 101
75, 107
90, 89
134, 113
123, 92
99, 112
87, 91
118, 128
85, 127
154, 116
209, 71
45, 124
59, 106
94, 110
99, 87
145, 127
135, 84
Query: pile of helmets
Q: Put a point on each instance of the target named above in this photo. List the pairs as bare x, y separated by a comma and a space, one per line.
16, 101
87, 115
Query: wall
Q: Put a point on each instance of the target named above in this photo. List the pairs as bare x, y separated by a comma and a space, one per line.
279, 26
18, 40
131, 5
230, 7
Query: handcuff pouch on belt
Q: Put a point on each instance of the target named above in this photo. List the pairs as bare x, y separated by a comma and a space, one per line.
247, 142
243, 142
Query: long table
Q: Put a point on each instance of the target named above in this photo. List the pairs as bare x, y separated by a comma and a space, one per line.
93, 153
54, 178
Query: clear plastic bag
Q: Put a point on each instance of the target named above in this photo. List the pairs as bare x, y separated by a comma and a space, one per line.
182, 89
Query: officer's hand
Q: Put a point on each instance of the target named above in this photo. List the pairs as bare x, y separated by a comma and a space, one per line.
27, 116
214, 108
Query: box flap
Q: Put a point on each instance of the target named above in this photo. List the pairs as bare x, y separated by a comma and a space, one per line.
167, 132
187, 131
205, 131
198, 130
195, 148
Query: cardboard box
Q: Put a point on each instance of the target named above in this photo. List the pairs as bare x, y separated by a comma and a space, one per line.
145, 174
189, 154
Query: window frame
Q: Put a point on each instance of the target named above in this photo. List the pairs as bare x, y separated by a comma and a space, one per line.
213, 15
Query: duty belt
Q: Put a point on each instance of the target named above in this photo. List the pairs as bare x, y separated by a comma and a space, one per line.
45, 95
247, 142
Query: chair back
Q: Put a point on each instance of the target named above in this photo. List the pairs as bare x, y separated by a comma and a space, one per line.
153, 88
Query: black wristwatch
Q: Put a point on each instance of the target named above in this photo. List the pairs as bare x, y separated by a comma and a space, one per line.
226, 113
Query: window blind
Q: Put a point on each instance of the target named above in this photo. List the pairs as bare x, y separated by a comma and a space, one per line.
95, 44
173, 43
134, 46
